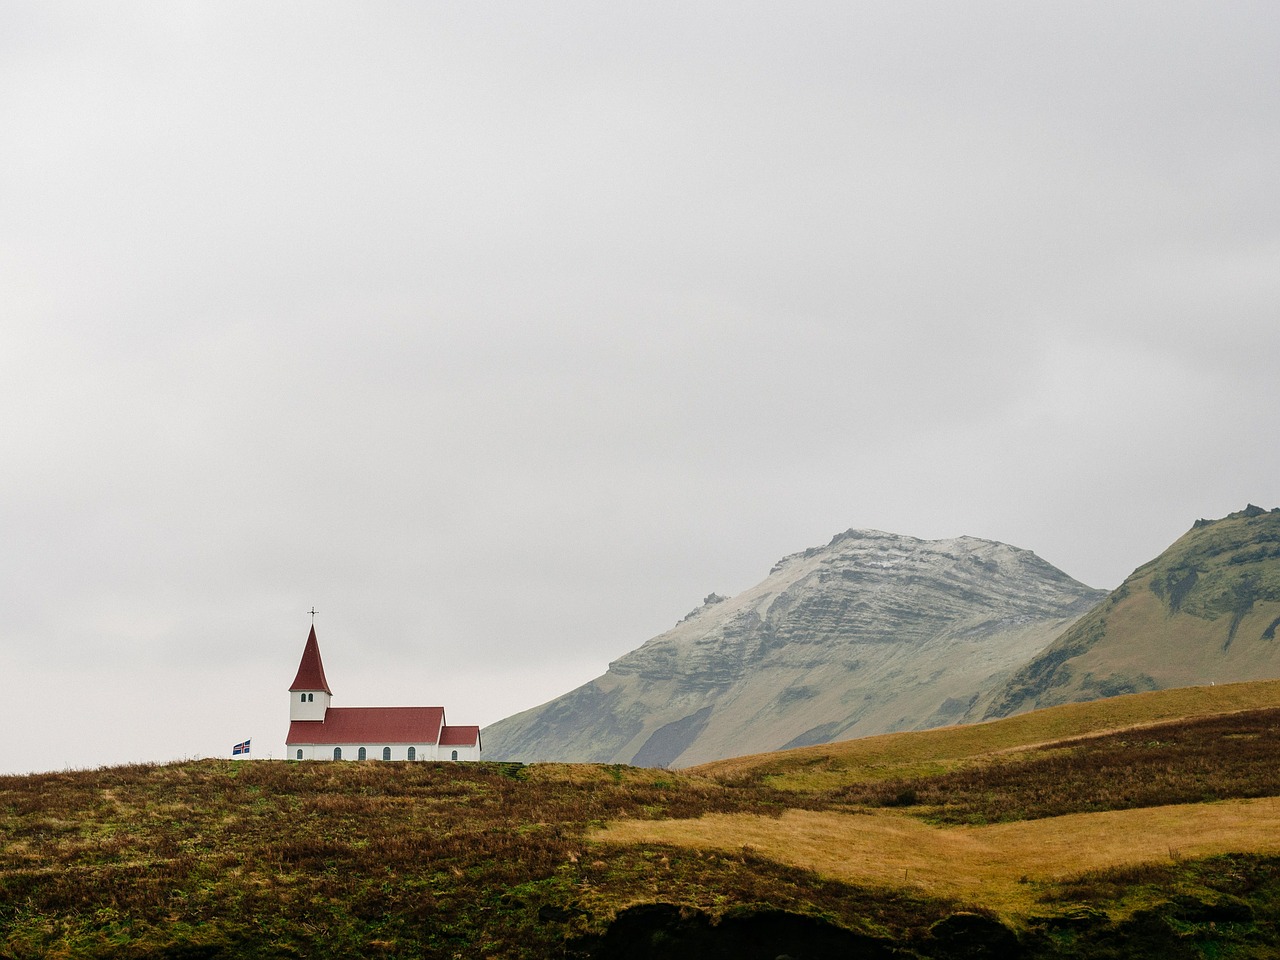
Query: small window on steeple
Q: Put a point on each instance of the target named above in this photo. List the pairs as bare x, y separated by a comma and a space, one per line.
311, 698
302, 698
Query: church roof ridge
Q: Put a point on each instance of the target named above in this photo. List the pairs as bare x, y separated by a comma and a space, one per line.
311, 668
372, 725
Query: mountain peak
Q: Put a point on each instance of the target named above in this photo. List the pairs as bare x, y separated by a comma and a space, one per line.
871, 632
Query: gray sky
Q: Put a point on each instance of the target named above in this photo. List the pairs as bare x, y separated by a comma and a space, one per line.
503, 333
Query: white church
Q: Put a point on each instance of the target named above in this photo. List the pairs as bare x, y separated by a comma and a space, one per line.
318, 731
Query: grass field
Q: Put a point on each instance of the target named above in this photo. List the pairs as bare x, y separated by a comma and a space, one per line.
1149, 803
354, 859
928, 752
1005, 867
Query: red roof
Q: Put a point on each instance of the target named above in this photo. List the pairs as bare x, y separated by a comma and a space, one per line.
311, 669
459, 736
372, 725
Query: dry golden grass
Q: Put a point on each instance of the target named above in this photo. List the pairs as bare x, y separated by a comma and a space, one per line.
1003, 866
928, 752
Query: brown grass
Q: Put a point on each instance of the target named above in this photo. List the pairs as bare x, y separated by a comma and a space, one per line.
328, 859
1003, 866
463, 860
1229, 756
928, 752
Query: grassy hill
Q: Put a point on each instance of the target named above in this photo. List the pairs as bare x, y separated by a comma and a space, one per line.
1206, 610
1144, 825
898, 755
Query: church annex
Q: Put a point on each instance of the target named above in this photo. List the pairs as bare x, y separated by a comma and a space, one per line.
318, 731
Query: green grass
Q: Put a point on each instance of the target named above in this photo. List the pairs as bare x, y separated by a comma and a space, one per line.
354, 859
282, 859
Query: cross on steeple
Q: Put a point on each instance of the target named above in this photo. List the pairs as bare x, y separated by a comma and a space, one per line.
312, 611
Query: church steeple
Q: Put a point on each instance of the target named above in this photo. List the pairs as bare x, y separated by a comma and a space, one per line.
311, 669
309, 694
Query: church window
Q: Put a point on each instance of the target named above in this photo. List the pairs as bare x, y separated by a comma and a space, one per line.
299, 754
311, 698
455, 755
413, 754
337, 753
302, 698
386, 753
363, 755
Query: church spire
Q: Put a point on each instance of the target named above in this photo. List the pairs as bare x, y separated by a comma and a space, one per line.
311, 669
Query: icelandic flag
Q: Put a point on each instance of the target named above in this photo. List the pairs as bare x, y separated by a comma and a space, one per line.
240, 748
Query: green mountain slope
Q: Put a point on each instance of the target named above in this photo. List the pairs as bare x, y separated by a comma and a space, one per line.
1207, 610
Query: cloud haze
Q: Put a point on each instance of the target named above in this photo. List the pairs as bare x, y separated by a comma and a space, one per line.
503, 334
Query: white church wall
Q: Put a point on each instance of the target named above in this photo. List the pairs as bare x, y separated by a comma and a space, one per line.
462, 753
302, 708
374, 751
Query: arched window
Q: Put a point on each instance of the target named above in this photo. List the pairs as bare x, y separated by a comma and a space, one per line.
455, 755
386, 753
363, 755
302, 698
299, 753
311, 698
337, 753
413, 754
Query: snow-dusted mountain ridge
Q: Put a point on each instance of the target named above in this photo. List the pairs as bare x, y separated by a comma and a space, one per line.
871, 633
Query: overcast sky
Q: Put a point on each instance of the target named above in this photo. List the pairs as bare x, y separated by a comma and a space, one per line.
503, 333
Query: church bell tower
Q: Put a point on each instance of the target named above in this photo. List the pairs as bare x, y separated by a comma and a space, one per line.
309, 695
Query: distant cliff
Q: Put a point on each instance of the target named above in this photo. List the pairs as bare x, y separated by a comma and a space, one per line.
871, 633
1204, 611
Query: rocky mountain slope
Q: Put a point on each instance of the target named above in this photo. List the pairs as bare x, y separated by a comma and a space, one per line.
1204, 611
872, 633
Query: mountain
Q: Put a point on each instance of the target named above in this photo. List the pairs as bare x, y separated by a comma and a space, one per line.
1204, 611
872, 633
